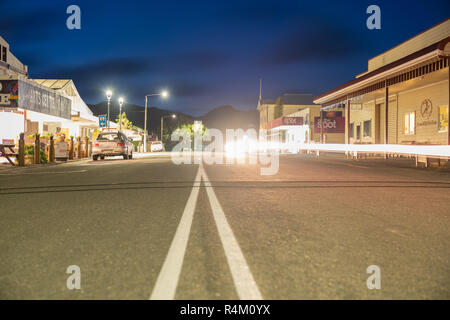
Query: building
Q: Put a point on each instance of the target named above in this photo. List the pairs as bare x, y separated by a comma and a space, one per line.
271, 109
41, 106
403, 97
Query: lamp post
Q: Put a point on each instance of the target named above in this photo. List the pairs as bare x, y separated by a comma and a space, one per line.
163, 94
173, 116
108, 96
120, 113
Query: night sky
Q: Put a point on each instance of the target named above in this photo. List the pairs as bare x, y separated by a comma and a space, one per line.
207, 53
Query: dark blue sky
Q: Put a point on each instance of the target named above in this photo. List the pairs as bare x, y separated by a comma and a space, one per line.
207, 53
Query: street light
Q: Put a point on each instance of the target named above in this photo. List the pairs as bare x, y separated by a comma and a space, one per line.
173, 116
163, 94
120, 112
108, 95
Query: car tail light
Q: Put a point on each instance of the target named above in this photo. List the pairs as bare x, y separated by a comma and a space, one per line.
120, 144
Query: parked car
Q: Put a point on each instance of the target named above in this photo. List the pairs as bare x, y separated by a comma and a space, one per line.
112, 143
156, 146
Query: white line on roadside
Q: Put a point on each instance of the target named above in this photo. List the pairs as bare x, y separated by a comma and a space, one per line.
167, 281
36, 173
243, 279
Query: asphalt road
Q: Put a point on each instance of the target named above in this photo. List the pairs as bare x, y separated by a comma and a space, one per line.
147, 228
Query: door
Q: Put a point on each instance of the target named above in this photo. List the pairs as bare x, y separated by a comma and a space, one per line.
377, 124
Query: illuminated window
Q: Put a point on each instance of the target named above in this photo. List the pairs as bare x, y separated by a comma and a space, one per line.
367, 128
443, 118
410, 123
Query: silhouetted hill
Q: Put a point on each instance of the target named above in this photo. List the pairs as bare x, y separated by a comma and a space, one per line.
227, 117
136, 114
224, 117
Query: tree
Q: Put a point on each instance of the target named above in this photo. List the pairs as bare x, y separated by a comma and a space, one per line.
126, 124
278, 112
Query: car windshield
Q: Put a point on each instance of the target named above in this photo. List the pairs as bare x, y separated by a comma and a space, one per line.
110, 136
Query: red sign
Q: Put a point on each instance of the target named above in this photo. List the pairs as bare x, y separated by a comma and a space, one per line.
285, 121
330, 125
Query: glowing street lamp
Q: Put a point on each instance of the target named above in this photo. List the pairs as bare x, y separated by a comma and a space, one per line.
173, 116
108, 96
163, 94
120, 112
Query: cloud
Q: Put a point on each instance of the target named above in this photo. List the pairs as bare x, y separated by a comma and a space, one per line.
309, 40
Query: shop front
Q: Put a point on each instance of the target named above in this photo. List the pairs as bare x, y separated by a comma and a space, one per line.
403, 98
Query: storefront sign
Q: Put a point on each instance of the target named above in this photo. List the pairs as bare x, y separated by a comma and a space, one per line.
330, 125
285, 121
35, 98
9, 94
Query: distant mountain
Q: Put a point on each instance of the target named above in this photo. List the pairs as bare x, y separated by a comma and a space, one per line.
224, 117
227, 117
136, 114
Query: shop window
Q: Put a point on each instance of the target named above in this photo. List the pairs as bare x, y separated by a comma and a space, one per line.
358, 132
409, 123
352, 130
367, 128
443, 118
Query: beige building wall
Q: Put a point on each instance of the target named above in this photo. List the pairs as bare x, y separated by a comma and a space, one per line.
426, 130
423, 40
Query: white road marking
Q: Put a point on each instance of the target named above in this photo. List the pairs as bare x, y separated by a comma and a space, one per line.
243, 279
46, 172
167, 281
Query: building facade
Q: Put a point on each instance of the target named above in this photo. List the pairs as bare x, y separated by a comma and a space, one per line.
403, 97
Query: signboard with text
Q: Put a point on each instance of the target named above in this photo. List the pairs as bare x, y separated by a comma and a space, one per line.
9, 94
330, 125
285, 121
35, 98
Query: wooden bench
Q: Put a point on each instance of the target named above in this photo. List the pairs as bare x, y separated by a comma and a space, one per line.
8, 154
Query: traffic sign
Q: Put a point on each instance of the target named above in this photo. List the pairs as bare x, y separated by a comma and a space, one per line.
102, 120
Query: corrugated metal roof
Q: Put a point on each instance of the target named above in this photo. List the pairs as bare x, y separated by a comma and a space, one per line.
53, 83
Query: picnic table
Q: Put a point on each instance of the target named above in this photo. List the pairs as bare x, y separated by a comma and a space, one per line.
7, 154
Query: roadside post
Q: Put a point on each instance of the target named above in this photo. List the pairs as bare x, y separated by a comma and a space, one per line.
51, 156
86, 147
37, 149
79, 148
71, 149
22, 150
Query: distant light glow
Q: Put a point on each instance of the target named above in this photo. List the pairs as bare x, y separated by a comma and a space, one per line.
164, 94
108, 94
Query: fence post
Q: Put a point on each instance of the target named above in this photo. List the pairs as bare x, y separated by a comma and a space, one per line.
71, 149
86, 147
51, 157
22, 150
37, 149
79, 148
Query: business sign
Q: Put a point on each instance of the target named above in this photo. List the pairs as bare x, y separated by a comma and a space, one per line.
9, 94
102, 120
38, 99
330, 125
285, 121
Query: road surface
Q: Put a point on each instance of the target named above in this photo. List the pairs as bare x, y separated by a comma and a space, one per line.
149, 229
